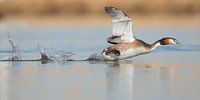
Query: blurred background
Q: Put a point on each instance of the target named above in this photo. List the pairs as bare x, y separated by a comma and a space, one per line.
71, 11
80, 27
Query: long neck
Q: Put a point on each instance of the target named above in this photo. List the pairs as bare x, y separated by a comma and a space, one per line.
155, 45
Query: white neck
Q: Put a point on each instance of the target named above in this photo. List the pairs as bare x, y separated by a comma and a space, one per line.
155, 45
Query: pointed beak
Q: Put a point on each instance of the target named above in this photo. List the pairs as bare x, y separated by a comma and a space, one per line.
178, 42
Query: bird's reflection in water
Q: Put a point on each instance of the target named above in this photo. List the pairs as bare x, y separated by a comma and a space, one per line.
119, 80
122, 80
125, 79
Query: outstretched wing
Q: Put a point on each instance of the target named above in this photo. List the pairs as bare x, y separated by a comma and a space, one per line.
121, 26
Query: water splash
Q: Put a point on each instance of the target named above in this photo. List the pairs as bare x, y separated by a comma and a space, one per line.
44, 58
57, 56
16, 55
95, 57
62, 56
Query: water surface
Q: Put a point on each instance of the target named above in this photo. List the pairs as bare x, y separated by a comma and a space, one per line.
171, 72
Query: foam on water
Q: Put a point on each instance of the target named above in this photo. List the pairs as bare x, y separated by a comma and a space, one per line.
95, 57
62, 56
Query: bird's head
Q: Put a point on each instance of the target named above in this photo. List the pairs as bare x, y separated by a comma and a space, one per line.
168, 41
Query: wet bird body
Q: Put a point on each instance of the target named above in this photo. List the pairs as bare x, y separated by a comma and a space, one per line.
126, 50
125, 45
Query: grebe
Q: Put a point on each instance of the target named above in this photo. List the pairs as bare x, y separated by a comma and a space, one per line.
125, 45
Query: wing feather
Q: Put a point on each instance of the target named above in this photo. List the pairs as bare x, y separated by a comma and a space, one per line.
121, 26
